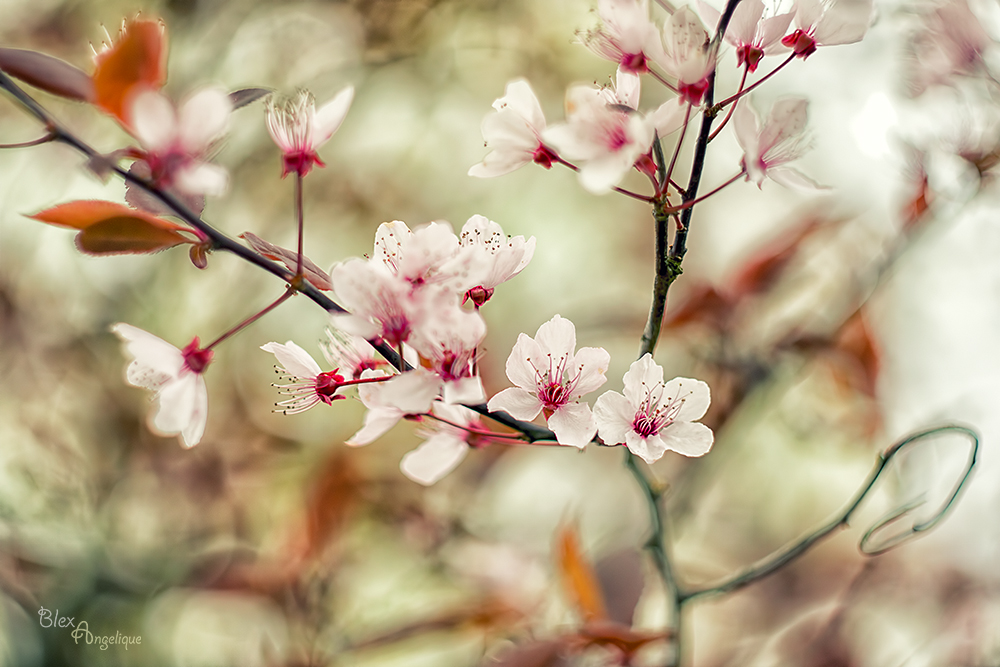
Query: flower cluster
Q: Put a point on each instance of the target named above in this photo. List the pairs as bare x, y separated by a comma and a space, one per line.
606, 134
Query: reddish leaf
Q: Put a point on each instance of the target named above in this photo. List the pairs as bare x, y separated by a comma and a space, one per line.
137, 60
856, 342
333, 496
579, 576
315, 275
47, 73
115, 236
107, 228
703, 304
763, 269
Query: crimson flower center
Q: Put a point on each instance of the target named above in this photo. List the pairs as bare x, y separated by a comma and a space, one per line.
653, 414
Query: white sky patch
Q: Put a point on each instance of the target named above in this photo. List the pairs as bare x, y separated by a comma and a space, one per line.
872, 124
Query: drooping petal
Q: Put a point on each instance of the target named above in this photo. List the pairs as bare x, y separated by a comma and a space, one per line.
177, 401
694, 396
573, 424
378, 422
294, 359
794, 179
614, 415
331, 115
434, 459
689, 439
518, 403
191, 435
844, 23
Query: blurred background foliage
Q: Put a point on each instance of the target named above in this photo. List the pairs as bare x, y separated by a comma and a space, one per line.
828, 326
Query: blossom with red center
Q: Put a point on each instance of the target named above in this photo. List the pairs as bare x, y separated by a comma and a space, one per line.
779, 140
603, 130
448, 344
500, 256
626, 35
550, 378
176, 142
175, 378
753, 35
652, 416
827, 23
299, 129
429, 255
688, 55
514, 134
308, 384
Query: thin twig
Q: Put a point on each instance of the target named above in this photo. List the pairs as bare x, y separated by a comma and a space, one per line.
783, 557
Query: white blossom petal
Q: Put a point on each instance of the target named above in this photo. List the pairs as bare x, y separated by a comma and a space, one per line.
434, 459
518, 403
694, 396
573, 424
687, 438
294, 359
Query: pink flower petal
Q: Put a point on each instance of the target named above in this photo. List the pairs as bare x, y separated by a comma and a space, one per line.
689, 439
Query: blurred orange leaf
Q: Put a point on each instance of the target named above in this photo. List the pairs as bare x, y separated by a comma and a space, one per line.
331, 499
107, 228
763, 268
855, 340
579, 576
47, 73
137, 60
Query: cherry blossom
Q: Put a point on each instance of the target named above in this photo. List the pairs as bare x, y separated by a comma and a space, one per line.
381, 304
780, 140
445, 444
500, 257
626, 35
550, 377
604, 130
448, 342
753, 35
309, 385
514, 133
299, 129
410, 393
430, 255
176, 141
653, 417
828, 23
175, 378
951, 42
688, 55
